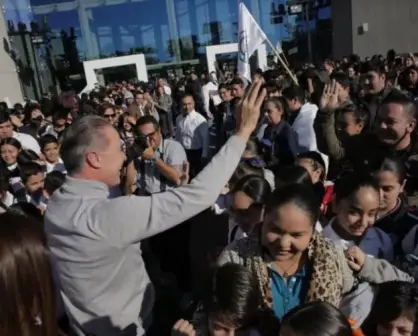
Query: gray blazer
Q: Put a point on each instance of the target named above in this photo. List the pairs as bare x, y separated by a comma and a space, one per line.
96, 242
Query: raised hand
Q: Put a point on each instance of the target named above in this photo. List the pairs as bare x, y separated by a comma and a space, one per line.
326, 94
248, 111
183, 328
333, 100
355, 258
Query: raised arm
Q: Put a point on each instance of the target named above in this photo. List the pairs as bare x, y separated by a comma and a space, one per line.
130, 219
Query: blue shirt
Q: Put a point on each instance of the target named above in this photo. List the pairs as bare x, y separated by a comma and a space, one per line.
378, 244
375, 242
290, 294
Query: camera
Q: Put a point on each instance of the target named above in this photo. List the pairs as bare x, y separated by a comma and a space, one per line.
139, 145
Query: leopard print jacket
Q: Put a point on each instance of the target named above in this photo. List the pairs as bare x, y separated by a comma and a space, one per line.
330, 278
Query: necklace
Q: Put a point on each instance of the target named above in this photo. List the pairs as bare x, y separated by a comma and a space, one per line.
285, 272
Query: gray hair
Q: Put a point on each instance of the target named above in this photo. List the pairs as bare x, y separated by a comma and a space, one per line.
80, 137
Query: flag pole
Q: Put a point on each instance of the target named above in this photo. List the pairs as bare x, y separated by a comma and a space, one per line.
282, 62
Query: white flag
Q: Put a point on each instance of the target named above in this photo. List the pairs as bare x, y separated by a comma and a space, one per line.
250, 37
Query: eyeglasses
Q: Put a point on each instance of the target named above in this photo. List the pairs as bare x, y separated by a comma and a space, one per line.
150, 135
109, 116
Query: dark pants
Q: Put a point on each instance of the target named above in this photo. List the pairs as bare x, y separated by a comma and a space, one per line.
194, 156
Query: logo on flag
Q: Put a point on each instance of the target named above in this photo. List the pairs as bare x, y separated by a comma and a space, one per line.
243, 53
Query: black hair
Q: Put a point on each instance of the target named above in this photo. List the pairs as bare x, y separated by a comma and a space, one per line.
4, 116
273, 86
11, 142
394, 299
243, 169
234, 298
60, 114
53, 181
341, 78
390, 163
30, 169
350, 183
374, 66
3, 106
26, 209
398, 98
148, 119
255, 187
28, 109
26, 156
291, 175
316, 319
225, 86
47, 139
360, 113
301, 195
258, 71
18, 106
294, 92
317, 162
237, 81
104, 107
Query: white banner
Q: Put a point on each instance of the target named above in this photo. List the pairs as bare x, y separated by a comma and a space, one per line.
250, 37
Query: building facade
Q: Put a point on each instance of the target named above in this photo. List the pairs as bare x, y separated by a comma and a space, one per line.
369, 27
168, 32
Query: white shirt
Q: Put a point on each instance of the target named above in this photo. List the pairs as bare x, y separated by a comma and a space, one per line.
206, 90
193, 132
27, 142
330, 233
51, 166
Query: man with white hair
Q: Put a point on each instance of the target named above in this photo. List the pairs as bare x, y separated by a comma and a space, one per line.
95, 240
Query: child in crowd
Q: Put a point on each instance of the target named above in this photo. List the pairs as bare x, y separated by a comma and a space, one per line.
394, 312
251, 164
32, 176
246, 208
316, 319
232, 307
9, 151
314, 163
356, 205
50, 150
53, 181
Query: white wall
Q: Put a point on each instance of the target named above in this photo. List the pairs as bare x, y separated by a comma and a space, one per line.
90, 66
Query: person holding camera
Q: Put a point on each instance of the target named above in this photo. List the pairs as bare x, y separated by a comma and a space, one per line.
160, 162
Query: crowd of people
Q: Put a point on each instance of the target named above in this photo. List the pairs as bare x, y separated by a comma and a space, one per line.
191, 207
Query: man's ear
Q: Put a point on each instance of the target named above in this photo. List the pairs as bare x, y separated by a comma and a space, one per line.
411, 125
93, 160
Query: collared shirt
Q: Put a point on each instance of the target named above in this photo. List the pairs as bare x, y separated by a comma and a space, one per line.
375, 243
27, 142
172, 153
59, 166
193, 132
288, 294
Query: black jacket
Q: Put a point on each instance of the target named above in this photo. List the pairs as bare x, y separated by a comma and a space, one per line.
280, 145
397, 224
